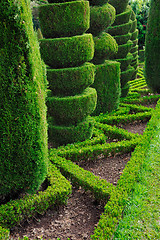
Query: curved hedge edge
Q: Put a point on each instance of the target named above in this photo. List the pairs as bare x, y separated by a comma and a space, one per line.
57, 192
145, 99
115, 132
126, 118
115, 206
78, 176
4, 233
135, 108
107, 149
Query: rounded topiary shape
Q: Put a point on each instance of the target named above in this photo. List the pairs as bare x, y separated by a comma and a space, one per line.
123, 50
70, 81
64, 19
125, 62
123, 17
23, 126
59, 135
134, 35
125, 90
126, 76
107, 84
68, 51
97, 2
122, 39
119, 5
105, 47
101, 18
72, 109
122, 29
133, 26
152, 46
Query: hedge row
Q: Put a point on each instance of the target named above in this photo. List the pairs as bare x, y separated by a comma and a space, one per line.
80, 177
57, 192
118, 200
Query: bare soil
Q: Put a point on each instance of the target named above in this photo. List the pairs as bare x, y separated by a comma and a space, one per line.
77, 220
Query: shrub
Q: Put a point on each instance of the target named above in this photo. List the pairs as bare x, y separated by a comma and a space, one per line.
72, 109
64, 19
68, 51
108, 75
23, 127
70, 81
152, 56
120, 6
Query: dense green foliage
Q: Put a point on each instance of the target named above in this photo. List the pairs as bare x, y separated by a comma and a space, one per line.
120, 29
23, 127
123, 17
120, 6
152, 56
56, 19
60, 135
68, 51
105, 47
107, 84
101, 18
70, 81
72, 109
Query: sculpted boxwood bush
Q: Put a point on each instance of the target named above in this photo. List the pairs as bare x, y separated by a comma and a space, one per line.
56, 20
23, 127
101, 18
123, 17
72, 109
70, 81
68, 51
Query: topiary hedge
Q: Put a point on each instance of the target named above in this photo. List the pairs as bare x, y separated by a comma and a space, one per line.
23, 126
123, 17
68, 51
105, 47
122, 39
72, 109
122, 29
64, 19
60, 135
70, 81
120, 6
152, 56
101, 18
108, 76
125, 62
123, 50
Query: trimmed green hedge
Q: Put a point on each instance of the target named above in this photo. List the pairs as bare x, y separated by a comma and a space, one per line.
122, 29
123, 50
122, 39
64, 19
123, 17
98, 2
125, 62
134, 49
105, 47
57, 192
72, 109
133, 26
101, 18
125, 90
108, 75
23, 126
68, 51
152, 46
134, 35
70, 81
120, 6
126, 76
60, 135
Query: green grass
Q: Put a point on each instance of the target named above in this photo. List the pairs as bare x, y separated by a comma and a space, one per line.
141, 218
